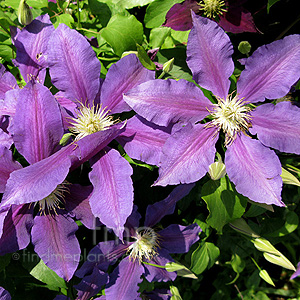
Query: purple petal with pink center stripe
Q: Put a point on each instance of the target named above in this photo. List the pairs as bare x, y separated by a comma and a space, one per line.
7, 81
178, 239
271, 70
187, 155
121, 77
158, 210
144, 140
277, 126
209, 53
16, 229
112, 197
255, 170
73, 64
168, 101
124, 280
31, 44
37, 123
54, 240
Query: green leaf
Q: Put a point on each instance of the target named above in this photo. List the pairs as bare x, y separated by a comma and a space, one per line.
102, 10
123, 33
37, 3
237, 263
289, 178
181, 270
6, 22
271, 3
204, 257
241, 225
156, 12
12, 3
144, 58
175, 293
223, 202
133, 3
6, 52
158, 36
266, 277
43, 273
65, 19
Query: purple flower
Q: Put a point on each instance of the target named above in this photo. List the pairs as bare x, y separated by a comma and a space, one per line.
147, 254
251, 165
230, 14
4, 294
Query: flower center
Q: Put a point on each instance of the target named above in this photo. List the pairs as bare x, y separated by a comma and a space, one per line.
232, 116
52, 201
212, 8
90, 120
145, 245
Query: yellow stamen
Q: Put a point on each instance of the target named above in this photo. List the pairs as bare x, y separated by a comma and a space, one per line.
212, 8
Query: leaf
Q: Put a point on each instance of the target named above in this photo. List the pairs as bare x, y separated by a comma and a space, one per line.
241, 225
65, 19
6, 22
37, 3
223, 202
181, 270
204, 257
237, 263
123, 33
12, 3
145, 59
289, 178
156, 12
175, 293
46, 275
266, 277
158, 36
271, 3
6, 52
133, 3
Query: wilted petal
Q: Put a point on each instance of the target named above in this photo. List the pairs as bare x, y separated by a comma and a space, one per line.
255, 170
209, 53
7, 165
143, 140
54, 240
278, 126
73, 64
271, 70
91, 284
124, 280
77, 203
120, 78
187, 155
16, 229
158, 210
37, 123
168, 101
178, 239
7, 81
112, 198
31, 44
156, 273
179, 16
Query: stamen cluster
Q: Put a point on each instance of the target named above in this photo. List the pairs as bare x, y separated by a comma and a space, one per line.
145, 245
212, 8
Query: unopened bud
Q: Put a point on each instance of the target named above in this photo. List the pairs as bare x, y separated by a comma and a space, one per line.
168, 66
244, 47
24, 13
217, 170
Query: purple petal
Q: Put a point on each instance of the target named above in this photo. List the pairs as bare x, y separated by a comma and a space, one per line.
31, 44
237, 20
158, 294
77, 203
158, 210
271, 70
209, 53
156, 273
5, 141
7, 165
187, 155
297, 273
37, 123
178, 239
121, 77
112, 198
73, 64
54, 240
168, 101
143, 140
8, 106
7, 81
101, 256
4, 295
278, 126
179, 16
124, 280
132, 222
255, 170
16, 229
91, 284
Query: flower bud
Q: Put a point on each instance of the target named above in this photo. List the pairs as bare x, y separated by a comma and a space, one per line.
217, 170
244, 47
24, 13
168, 66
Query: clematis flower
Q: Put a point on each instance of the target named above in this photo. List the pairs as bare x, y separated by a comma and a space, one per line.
230, 14
147, 254
4, 294
75, 71
251, 165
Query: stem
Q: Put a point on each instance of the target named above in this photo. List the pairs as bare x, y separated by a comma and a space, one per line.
153, 265
161, 75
